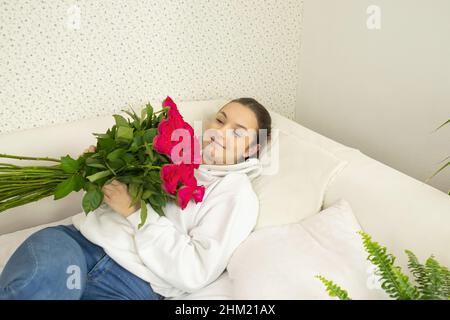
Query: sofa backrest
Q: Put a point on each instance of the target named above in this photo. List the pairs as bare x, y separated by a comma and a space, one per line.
72, 138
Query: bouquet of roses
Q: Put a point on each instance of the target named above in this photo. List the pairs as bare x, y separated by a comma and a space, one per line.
154, 155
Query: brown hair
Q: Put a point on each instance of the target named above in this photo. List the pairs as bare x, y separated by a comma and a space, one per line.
262, 117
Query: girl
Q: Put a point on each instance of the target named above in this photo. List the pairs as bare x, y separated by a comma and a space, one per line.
103, 255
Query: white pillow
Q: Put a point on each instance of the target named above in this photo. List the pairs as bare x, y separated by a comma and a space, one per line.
297, 189
305, 169
282, 262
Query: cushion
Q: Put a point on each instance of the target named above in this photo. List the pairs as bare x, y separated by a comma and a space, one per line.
294, 180
281, 262
296, 172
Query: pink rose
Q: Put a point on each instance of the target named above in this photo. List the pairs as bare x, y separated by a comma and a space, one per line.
185, 193
179, 178
198, 193
162, 145
170, 177
186, 173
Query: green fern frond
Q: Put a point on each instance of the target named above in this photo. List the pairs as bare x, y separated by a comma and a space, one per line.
438, 278
444, 124
417, 269
393, 281
333, 289
410, 292
432, 278
438, 170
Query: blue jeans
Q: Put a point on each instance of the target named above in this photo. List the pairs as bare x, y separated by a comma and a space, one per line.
60, 263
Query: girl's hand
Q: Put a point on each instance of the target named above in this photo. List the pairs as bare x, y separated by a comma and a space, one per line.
91, 148
118, 198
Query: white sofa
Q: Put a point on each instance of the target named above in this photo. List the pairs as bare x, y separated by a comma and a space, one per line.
397, 210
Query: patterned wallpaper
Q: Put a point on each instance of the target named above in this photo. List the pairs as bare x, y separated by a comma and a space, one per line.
66, 60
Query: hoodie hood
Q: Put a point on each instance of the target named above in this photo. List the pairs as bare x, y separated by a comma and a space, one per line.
205, 173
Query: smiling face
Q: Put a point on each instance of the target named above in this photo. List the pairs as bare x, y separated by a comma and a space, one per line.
230, 135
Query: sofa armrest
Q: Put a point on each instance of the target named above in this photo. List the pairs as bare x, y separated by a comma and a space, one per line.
397, 210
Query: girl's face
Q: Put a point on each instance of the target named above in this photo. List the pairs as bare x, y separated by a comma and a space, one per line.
230, 135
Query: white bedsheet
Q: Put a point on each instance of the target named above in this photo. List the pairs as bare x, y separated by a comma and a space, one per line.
217, 290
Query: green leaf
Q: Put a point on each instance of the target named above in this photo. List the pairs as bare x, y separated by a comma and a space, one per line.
116, 154
417, 269
65, 187
121, 121
433, 279
133, 189
155, 202
392, 280
132, 114
101, 135
439, 170
95, 163
107, 144
146, 194
116, 164
128, 158
124, 133
92, 199
143, 213
436, 284
79, 182
159, 211
150, 134
408, 291
333, 289
135, 145
69, 165
143, 115
99, 175
155, 177
445, 123
138, 195
149, 109
137, 179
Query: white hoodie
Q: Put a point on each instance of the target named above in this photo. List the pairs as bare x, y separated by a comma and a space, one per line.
184, 250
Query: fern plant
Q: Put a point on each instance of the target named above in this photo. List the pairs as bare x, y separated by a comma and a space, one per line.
446, 160
431, 280
333, 289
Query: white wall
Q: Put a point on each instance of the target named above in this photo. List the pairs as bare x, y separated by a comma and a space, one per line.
65, 60
381, 91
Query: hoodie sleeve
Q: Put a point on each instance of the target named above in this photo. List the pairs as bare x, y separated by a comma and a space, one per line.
190, 261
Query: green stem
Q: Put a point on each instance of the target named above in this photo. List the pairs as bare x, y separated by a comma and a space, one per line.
2, 155
20, 194
162, 110
23, 199
13, 172
144, 145
111, 169
150, 167
25, 186
26, 183
6, 179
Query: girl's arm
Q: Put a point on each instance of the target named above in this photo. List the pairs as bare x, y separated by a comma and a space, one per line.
191, 261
